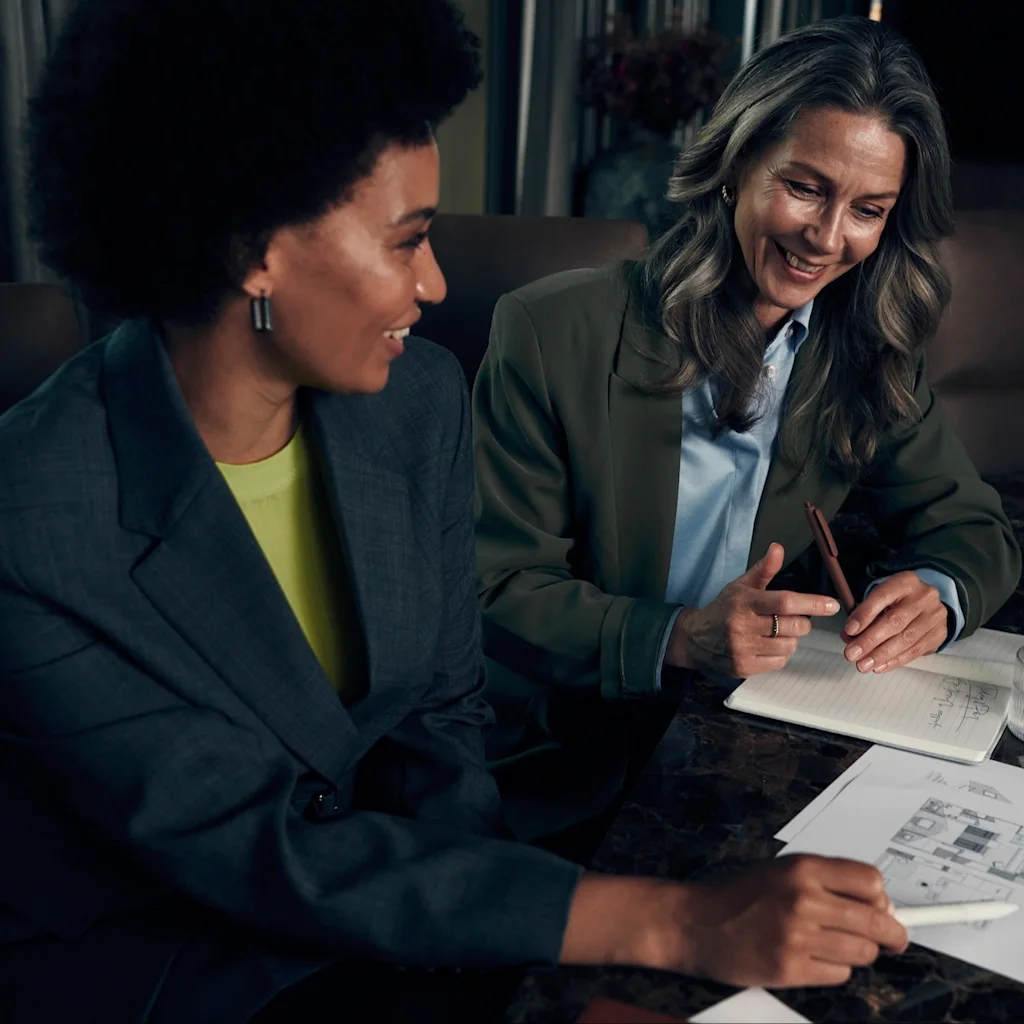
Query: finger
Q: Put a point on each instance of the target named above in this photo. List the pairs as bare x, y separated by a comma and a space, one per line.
760, 663
789, 626
864, 920
902, 625
928, 644
791, 602
838, 875
805, 972
761, 573
890, 623
817, 972
845, 948
764, 654
893, 633
881, 597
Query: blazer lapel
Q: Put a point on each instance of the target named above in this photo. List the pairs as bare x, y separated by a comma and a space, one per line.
780, 514
372, 511
646, 431
645, 437
206, 573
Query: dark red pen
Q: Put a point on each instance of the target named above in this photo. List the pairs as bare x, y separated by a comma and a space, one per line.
830, 555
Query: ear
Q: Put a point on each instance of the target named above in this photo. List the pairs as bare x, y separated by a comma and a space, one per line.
251, 263
257, 282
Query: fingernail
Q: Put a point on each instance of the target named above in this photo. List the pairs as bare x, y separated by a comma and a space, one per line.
891, 908
865, 665
854, 653
852, 625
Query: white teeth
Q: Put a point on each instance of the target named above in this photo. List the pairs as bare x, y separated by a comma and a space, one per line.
399, 334
807, 268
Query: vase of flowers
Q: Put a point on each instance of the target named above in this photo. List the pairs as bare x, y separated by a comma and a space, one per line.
649, 88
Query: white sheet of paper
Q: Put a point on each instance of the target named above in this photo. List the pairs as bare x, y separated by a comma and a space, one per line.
901, 768
751, 1006
794, 826
940, 833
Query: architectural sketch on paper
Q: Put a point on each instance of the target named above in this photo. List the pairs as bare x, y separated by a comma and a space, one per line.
972, 785
982, 789
947, 853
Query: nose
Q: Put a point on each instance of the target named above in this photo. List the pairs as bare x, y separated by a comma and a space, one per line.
827, 234
430, 282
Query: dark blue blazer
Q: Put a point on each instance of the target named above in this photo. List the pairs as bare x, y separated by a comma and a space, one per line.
191, 820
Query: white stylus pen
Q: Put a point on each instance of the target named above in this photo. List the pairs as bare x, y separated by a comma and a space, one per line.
952, 913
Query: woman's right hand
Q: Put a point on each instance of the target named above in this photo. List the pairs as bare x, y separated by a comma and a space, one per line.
732, 636
795, 921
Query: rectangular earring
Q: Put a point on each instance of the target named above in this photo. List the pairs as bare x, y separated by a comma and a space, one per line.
259, 310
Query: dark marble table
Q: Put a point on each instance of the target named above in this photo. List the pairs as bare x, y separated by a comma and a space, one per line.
712, 796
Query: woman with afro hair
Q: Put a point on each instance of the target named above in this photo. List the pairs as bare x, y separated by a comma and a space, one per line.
240, 713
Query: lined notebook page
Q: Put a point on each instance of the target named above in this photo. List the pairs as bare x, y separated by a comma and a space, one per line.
986, 657
936, 714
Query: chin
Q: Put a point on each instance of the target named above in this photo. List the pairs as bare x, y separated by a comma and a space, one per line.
373, 380
789, 296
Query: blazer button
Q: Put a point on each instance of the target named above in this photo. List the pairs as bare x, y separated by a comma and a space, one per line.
324, 804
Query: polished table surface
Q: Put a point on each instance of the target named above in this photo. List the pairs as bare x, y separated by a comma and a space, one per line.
715, 791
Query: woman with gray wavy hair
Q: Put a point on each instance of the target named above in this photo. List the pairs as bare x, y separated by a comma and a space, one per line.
647, 433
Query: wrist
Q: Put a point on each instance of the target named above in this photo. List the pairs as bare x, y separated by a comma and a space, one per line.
662, 935
679, 652
622, 921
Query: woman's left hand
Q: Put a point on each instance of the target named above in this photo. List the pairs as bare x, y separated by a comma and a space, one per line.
900, 620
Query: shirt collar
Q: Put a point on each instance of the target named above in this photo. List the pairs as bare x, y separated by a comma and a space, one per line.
795, 328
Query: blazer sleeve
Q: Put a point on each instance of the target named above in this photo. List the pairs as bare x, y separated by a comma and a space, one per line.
214, 809
539, 618
431, 766
931, 505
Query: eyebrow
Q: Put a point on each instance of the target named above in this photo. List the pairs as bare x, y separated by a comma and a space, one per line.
423, 213
825, 178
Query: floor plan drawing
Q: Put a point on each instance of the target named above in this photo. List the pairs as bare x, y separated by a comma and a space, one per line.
940, 832
948, 853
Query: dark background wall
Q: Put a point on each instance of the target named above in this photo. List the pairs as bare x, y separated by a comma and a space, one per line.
973, 51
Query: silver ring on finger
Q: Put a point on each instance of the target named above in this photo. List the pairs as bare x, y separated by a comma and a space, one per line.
775, 626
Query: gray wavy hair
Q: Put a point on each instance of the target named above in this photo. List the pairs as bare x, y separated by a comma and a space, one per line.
868, 327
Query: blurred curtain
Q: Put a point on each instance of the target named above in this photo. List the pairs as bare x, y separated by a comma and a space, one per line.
28, 30
548, 108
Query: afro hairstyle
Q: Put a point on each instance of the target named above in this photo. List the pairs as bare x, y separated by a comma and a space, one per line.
168, 139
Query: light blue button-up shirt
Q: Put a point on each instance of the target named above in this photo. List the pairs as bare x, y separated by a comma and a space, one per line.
720, 485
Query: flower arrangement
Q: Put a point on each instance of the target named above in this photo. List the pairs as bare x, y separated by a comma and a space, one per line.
657, 82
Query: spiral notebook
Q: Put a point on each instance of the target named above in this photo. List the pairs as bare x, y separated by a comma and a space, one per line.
951, 705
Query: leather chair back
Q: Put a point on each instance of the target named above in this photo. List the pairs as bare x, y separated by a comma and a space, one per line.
484, 256
976, 360
39, 329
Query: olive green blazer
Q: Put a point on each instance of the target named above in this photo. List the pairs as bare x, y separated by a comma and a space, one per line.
577, 472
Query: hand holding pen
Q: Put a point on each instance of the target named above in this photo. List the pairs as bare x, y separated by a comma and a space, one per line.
901, 619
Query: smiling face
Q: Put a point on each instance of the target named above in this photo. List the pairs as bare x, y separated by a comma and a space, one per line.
814, 206
346, 288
